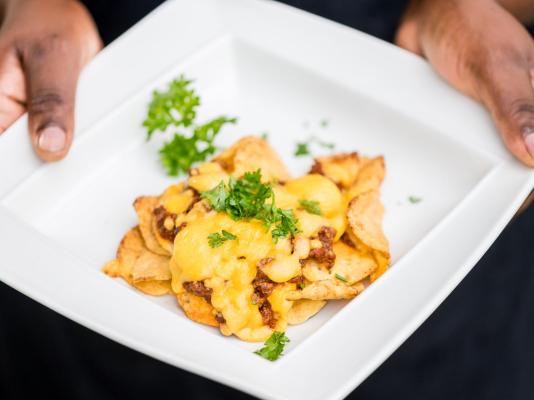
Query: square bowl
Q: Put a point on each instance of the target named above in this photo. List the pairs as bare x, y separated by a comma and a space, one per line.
282, 71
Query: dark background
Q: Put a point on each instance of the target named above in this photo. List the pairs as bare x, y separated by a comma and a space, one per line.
479, 344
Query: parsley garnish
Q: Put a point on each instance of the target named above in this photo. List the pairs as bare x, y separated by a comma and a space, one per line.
274, 346
217, 239
302, 150
341, 278
301, 285
311, 206
414, 199
177, 107
265, 136
246, 198
321, 143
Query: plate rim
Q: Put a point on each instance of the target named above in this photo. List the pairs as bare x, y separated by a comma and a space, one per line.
505, 167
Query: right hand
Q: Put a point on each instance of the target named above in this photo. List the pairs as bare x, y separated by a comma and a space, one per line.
44, 44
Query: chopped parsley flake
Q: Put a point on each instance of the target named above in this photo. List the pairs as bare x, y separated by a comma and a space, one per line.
324, 123
414, 199
341, 278
274, 346
302, 150
217, 239
311, 206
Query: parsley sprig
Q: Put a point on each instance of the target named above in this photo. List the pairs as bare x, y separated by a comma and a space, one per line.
177, 107
217, 239
249, 198
274, 346
302, 149
310, 206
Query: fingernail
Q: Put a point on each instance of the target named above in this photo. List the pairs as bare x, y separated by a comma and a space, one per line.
52, 139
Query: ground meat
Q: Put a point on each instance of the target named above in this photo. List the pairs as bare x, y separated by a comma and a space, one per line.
196, 198
317, 168
267, 315
262, 263
299, 280
263, 287
219, 318
198, 288
325, 253
161, 214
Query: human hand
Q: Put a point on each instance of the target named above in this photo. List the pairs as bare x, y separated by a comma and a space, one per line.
484, 51
44, 44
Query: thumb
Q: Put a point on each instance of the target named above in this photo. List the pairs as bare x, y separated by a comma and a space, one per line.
52, 66
507, 91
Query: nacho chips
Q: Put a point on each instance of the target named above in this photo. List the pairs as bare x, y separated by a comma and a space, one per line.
248, 280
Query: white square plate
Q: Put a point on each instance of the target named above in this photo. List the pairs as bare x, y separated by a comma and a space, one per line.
274, 67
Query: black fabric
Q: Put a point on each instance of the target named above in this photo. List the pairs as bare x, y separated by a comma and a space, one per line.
479, 344
376, 17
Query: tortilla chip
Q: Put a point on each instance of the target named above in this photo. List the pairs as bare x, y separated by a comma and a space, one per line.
383, 262
313, 271
151, 267
129, 250
252, 153
139, 267
303, 310
197, 309
365, 221
154, 288
329, 289
370, 177
341, 168
144, 207
365, 216
351, 264
112, 269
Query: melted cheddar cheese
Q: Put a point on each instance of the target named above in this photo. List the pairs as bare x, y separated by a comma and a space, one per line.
230, 269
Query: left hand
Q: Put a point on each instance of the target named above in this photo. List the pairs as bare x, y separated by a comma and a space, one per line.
485, 52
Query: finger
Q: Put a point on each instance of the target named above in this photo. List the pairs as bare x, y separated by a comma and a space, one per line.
407, 35
52, 66
12, 89
508, 93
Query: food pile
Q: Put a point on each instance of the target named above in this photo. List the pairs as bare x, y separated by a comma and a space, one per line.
248, 249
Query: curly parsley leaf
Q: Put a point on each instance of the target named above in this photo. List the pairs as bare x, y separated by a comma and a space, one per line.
217, 239
177, 107
249, 198
274, 346
310, 206
286, 224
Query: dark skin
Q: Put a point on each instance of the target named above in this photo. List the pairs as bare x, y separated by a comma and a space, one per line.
493, 65
44, 44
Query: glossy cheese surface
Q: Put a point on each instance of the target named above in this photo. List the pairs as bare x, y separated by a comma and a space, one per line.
230, 269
